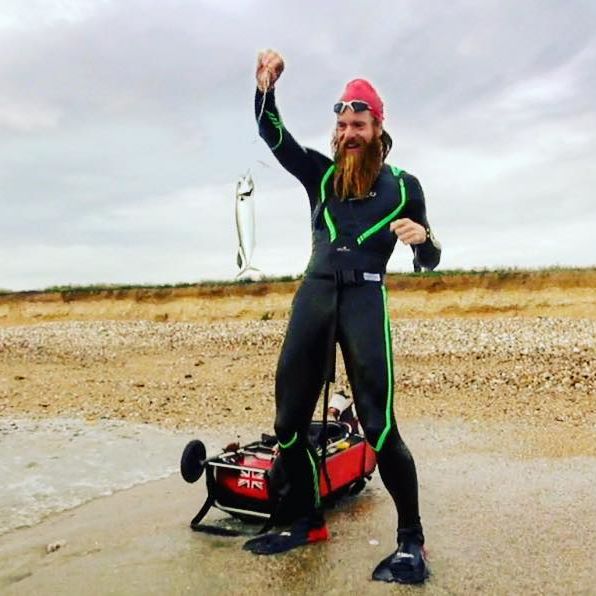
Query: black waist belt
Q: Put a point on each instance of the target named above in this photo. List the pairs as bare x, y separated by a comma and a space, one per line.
349, 277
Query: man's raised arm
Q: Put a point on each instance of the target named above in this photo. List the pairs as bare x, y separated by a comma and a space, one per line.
302, 163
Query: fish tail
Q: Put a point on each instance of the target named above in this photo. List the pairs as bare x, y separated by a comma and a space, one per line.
246, 269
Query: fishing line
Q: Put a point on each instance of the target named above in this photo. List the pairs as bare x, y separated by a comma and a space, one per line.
244, 261
267, 79
264, 97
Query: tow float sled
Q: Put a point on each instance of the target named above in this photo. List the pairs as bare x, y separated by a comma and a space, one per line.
248, 483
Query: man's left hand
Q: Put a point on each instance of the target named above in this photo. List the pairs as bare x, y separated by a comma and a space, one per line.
408, 231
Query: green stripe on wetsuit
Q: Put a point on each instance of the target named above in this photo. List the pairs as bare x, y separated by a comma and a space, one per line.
389, 360
315, 477
278, 124
326, 215
313, 466
289, 443
404, 198
374, 228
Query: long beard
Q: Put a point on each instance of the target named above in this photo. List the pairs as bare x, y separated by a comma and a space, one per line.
356, 172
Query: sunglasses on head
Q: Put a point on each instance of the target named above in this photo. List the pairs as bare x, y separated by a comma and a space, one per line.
356, 105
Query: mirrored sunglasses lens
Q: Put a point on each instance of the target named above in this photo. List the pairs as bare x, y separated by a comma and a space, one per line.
356, 106
360, 106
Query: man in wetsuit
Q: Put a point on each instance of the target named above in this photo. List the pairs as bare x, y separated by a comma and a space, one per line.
360, 207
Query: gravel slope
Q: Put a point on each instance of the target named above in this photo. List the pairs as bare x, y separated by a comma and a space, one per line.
536, 370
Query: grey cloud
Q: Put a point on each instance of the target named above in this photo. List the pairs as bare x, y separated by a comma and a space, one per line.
112, 112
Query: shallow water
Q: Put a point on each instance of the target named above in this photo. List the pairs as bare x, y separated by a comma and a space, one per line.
54, 465
497, 521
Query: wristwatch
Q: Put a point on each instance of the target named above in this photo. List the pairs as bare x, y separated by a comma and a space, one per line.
430, 236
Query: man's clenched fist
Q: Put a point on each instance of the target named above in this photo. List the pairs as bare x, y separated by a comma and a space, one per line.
408, 231
270, 65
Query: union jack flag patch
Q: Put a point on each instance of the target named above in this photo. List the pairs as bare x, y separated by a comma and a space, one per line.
254, 479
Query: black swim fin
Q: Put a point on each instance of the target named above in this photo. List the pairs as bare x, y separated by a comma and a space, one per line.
304, 531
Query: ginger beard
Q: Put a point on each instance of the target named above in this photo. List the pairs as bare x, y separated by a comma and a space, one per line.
356, 171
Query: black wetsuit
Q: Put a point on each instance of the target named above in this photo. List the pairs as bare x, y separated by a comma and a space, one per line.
352, 243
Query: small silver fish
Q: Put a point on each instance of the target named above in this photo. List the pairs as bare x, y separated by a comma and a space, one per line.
245, 222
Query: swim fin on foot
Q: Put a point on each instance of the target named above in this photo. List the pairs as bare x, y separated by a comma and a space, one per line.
302, 532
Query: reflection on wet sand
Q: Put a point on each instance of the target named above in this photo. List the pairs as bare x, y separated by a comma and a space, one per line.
497, 522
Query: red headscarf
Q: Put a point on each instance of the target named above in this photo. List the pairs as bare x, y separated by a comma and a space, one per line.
361, 89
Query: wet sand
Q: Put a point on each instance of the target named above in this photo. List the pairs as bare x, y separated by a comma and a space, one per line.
498, 522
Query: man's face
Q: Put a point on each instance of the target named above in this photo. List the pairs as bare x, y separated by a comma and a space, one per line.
357, 152
354, 130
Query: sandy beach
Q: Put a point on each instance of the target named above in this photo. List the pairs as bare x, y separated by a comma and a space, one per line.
495, 394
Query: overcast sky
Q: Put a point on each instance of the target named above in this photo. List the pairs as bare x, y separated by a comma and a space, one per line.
124, 126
